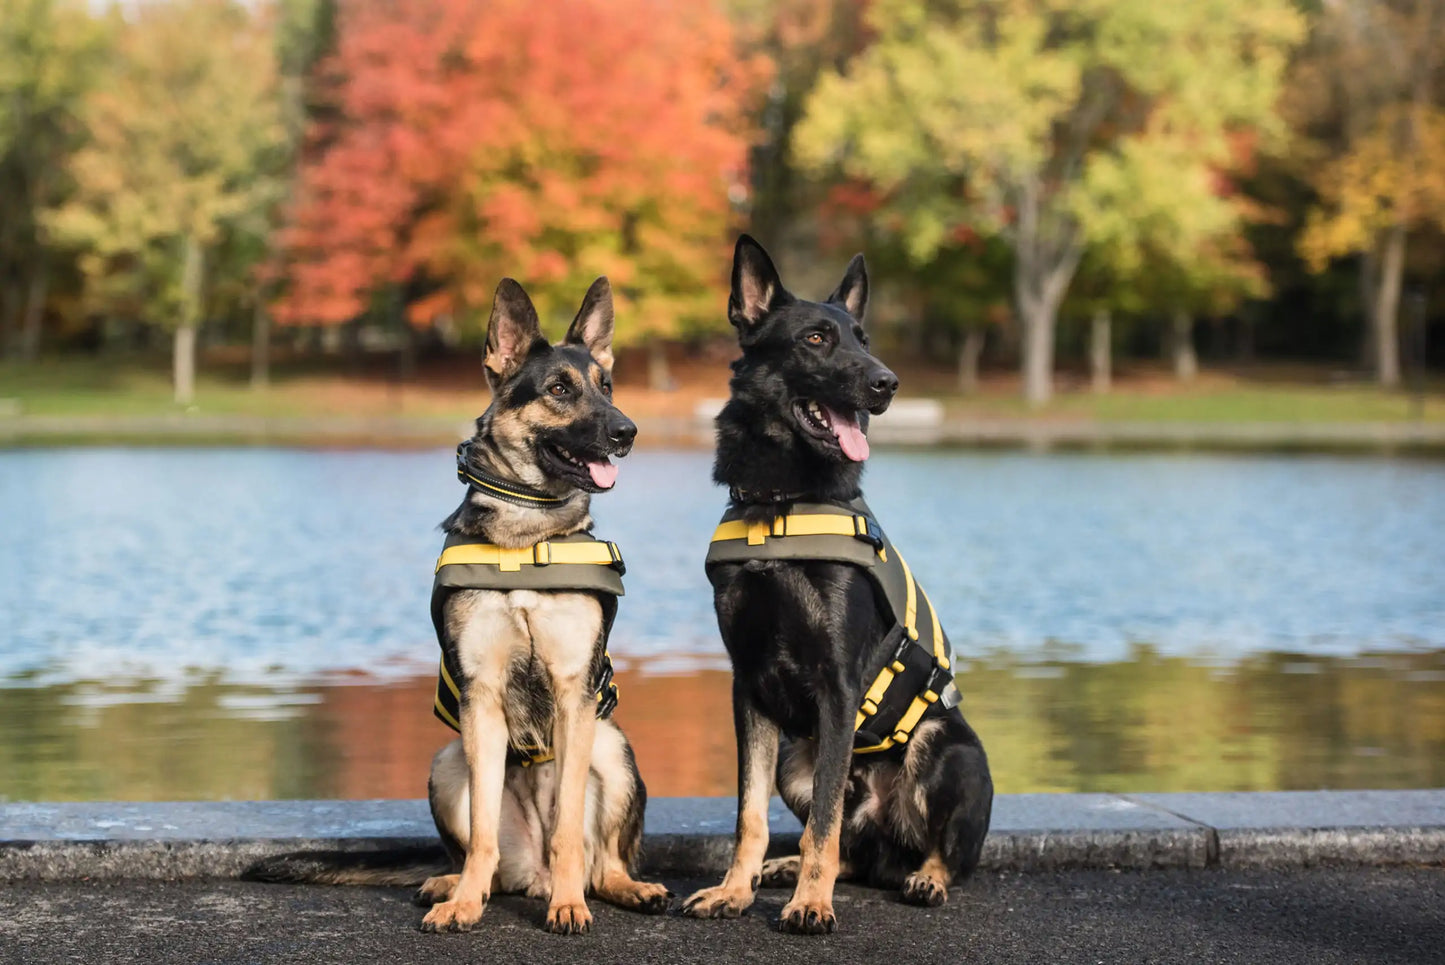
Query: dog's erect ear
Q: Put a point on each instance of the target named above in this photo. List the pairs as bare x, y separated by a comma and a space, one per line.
512, 331
592, 328
757, 289
852, 292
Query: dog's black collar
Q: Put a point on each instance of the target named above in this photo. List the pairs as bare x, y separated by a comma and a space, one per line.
505, 490
763, 497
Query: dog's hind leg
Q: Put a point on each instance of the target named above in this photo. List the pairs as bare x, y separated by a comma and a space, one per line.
945, 795
758, 757
616, 825
929, 884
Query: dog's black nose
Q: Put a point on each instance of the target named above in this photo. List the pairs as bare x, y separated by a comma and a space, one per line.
622, 431
883, 383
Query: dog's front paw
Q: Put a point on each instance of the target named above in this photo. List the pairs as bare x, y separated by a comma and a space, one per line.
569, 919
922, 889
808, 918
717, 902
453, 916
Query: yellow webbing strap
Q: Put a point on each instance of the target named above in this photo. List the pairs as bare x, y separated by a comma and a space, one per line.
796, 524
913, 715
456, 692
939, 657
910, 606
598, 552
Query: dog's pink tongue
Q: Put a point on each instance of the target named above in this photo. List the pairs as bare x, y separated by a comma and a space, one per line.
604, 473
850, 435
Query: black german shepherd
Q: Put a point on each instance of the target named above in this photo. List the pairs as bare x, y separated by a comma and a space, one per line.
807, 637
526, 660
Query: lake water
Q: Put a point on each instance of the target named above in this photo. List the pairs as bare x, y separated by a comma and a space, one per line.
253, 623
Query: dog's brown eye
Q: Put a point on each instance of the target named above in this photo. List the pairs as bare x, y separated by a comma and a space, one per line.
558, 389
814, 338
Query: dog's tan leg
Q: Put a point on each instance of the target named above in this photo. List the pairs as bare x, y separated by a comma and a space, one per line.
484, 741
571, 741
810, 912
758, 752
929, 884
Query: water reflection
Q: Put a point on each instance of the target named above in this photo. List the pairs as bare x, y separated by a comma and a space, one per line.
1150, 723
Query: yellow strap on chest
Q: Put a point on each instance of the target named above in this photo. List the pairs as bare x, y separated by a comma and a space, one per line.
794, 524
542, 554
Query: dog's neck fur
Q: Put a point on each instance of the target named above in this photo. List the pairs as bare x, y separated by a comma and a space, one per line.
759, 453
486, 517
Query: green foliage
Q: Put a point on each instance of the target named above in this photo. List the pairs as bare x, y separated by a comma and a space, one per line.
50, 55
186, 142
1058, 125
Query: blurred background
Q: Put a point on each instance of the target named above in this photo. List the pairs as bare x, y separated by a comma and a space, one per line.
1163, 283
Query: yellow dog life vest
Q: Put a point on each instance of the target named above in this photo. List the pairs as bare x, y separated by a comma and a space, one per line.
576, 562
915, 679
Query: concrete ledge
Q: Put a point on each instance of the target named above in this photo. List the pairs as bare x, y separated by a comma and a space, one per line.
693, 836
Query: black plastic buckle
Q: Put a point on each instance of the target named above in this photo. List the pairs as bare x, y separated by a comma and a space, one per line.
901, 650
462, 449
866, 528
616, 555
939, 679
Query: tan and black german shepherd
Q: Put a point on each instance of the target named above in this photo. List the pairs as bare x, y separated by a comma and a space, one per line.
526, 660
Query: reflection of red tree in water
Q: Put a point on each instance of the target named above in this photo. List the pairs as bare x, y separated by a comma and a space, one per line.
384, 735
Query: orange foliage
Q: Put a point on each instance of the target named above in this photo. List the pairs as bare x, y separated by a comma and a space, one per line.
554, 142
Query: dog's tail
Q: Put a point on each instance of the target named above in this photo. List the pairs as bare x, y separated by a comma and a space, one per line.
396, 868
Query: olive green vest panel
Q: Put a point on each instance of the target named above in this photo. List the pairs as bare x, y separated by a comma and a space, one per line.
553, 565
915, 680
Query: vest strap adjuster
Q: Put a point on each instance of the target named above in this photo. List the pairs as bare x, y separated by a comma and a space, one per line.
868, 531
542, 554
616, 555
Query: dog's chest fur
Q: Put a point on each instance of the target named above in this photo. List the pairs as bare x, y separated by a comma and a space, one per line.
796, 632
517, 643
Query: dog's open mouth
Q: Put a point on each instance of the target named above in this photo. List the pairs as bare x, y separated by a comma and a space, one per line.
592, 473
833, 426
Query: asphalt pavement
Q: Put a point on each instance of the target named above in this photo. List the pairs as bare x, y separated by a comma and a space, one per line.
1361, 915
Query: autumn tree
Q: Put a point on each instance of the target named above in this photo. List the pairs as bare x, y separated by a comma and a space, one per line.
1166, 234
50, 55
996, 116
184, 133
465, 141
1370, 95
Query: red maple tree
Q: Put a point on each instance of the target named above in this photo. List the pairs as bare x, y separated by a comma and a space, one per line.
461, 141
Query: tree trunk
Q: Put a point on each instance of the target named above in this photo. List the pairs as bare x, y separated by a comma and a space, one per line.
1101, 354
260, 346
183, 364
34, 310
968, 354
659, 374
9, 312
1046, 255
1387, 308
1186, 362
1038, 356
183, 359
1369, 272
